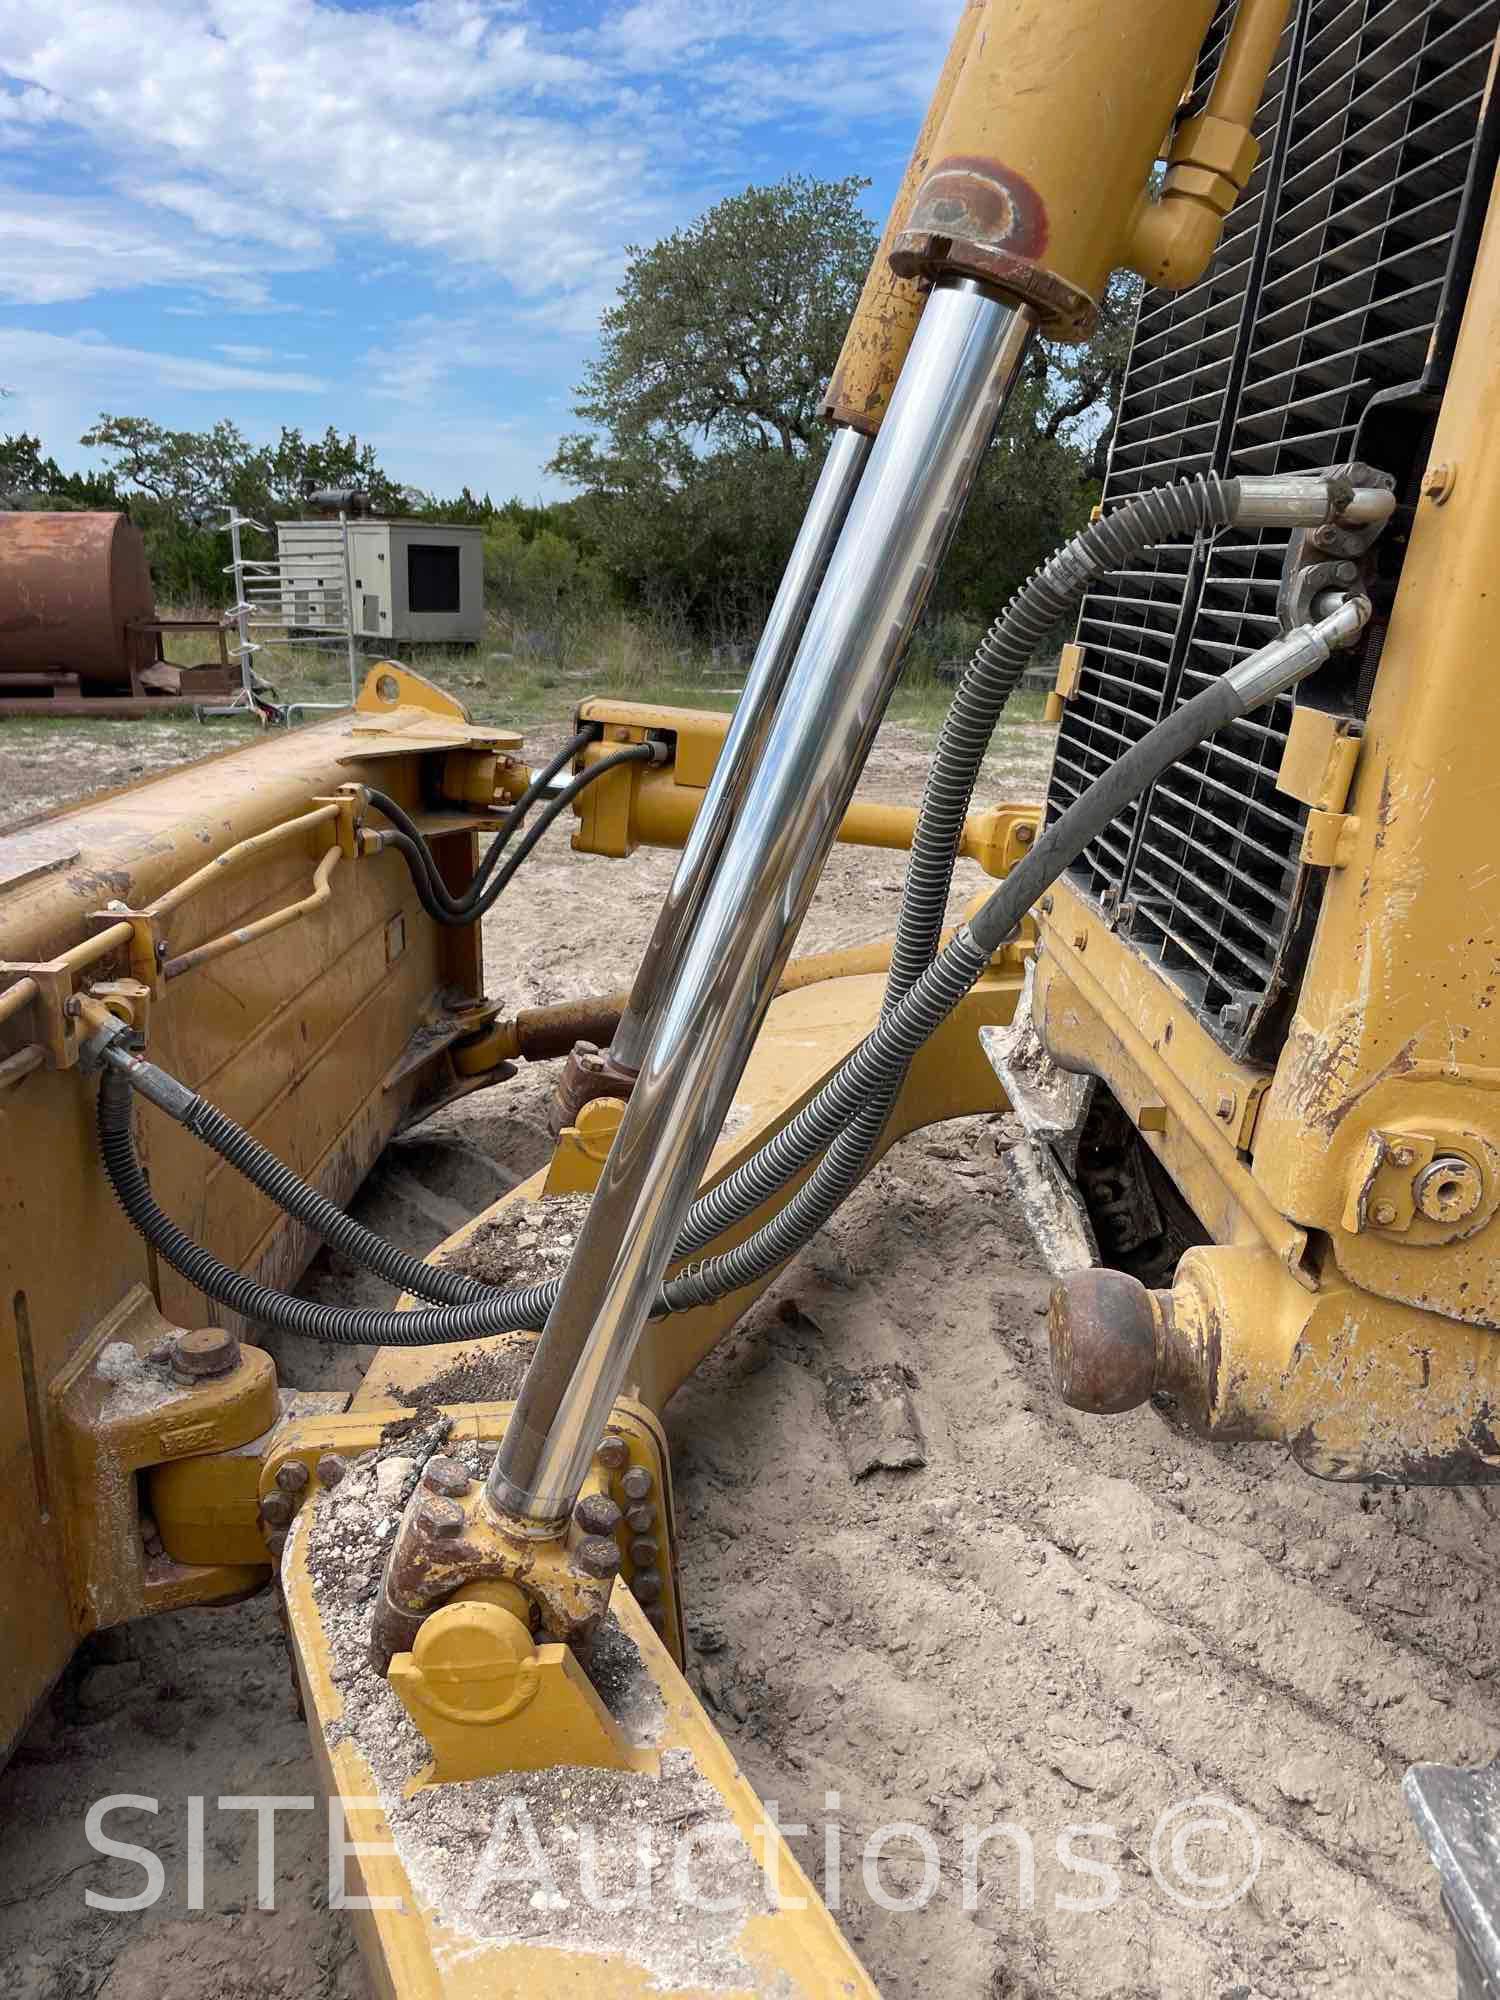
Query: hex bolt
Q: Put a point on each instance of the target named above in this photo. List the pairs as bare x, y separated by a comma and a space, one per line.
1346, 572
1025, 834
1383, 1214
597, 1514
644, 1551
277, 1508
1438, 483
1080, 940
446, 1476
1402, 1156
331, 1469
442, 1519
613, 1453
275, 1544
636, 1484
1234, 1014
292, 1477
646, 1584
640, 1520
597, 1555
656, 1618
207, 1351
1228, 1103
1047, 905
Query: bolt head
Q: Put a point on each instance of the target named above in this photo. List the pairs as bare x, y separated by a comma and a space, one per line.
1438, 483
207, 1351
277, 1508
636, 1484
1402, 1156
331, 1469
646, 1585
1080, 940
1226, 1105
276, 1543
640, 1520
644, 1551
447, 1477
656, 1618
597, 1514
597, 1555
1025, 834
442, 1519
613, 1452
292, 1477
1383, 1214
1047, 905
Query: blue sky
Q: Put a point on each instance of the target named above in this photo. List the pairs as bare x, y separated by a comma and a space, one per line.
398, 219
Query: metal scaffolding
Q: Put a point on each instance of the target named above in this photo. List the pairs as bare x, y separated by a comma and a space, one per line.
301, 609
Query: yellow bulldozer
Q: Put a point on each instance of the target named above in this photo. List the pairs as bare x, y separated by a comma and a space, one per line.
1235, 980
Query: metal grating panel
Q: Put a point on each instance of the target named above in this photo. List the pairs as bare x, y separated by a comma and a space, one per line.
1338, 268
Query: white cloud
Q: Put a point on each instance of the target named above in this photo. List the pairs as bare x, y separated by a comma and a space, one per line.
58, 247
416, 359
100, 364
449, 127
460, 130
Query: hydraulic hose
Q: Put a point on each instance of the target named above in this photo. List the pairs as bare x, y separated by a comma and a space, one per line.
1188, 506
421, 850
330, 1223
854, 1088
835, 1118
455, 913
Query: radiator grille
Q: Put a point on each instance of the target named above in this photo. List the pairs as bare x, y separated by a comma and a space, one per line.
1335, 292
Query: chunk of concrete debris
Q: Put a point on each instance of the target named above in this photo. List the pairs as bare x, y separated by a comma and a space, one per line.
394, 1479
875, 1419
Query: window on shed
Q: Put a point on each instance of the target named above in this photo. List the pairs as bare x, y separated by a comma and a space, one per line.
432, 576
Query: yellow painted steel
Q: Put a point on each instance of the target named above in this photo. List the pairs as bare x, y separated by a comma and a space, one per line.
643, 806
1356, 1386
808, 1032
420, 1952
314, 1035
1175, 233
1047, 148
880, 333
1397, 1030
1349, 1303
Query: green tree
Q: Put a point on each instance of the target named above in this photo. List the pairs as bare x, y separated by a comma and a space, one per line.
703, 399
725, 333
28, 480
181, 483
704, 438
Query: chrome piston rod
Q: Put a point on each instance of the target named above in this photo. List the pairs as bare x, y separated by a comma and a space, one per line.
826, 512
968, 353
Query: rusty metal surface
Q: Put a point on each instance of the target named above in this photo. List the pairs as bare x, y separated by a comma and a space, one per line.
589, 1073
71, 585
1103, 1335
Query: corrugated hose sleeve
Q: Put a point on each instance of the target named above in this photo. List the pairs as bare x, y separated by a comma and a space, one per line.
1187, 507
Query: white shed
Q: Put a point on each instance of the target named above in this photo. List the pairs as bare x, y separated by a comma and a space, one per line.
414, 582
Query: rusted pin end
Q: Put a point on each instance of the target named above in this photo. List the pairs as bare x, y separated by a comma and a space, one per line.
1106, 1331
206, 1352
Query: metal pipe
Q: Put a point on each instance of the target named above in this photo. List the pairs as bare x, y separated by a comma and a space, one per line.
826, 513
968, 353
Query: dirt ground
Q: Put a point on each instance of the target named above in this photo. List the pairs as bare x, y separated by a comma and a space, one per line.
1078, 1627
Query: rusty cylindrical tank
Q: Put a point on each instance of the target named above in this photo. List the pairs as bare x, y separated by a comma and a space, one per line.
69, 586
